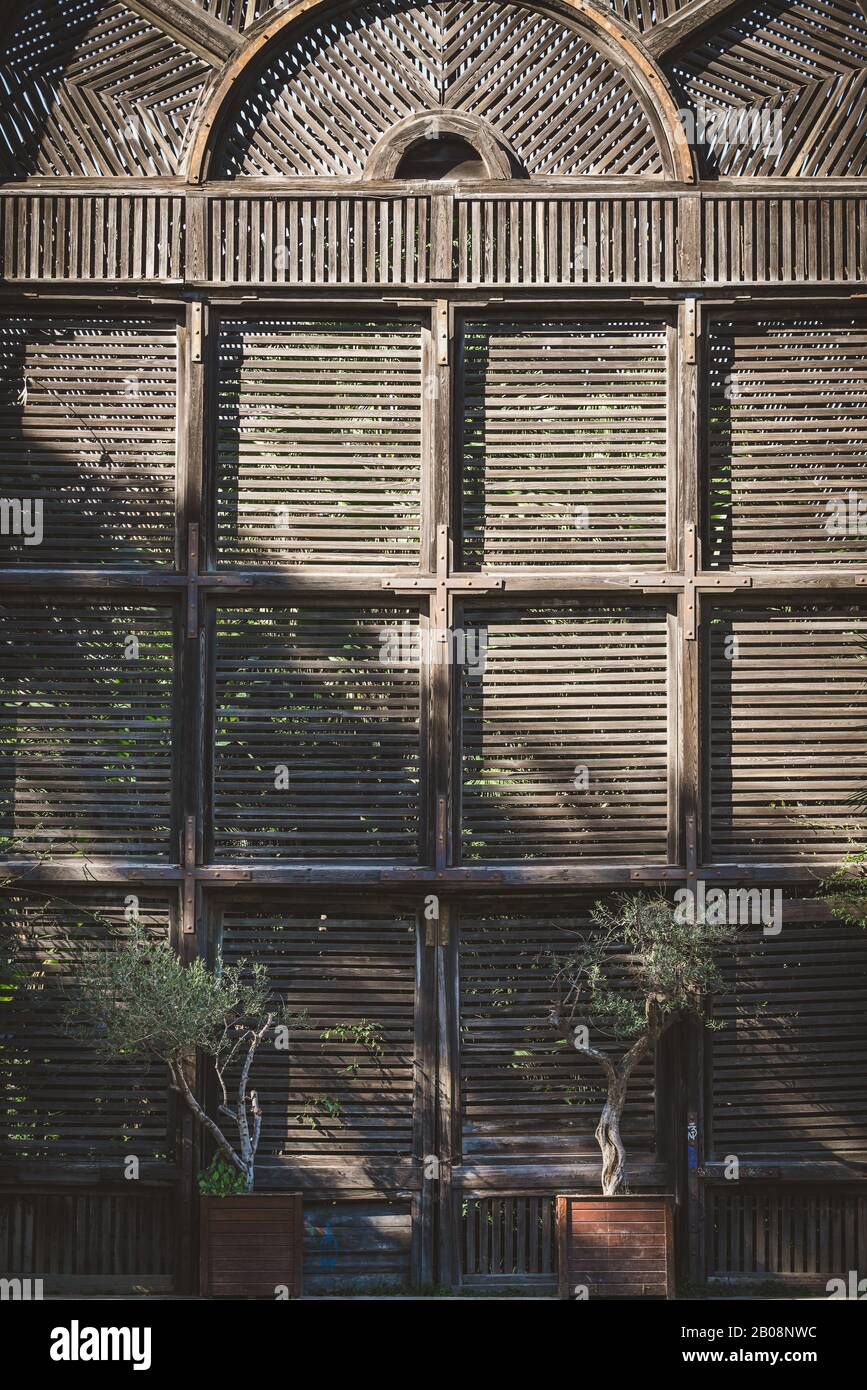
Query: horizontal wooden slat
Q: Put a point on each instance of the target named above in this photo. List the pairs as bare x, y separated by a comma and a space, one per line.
565, 442
356, 1246
525, 1089
86, 729
788, 442
338, 970
313, 691
787, 714
789, 1066
88, 424
60, 1100
320, 442
565, 734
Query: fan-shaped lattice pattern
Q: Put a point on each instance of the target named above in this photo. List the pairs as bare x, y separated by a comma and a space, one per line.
90, 88
806, 62
322, 104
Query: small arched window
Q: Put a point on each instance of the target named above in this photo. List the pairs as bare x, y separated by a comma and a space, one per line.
445, 157
441, 144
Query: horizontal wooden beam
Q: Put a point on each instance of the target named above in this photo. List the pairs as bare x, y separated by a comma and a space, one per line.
191, 26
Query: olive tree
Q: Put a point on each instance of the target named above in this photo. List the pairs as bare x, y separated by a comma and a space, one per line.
138, 999
645, 965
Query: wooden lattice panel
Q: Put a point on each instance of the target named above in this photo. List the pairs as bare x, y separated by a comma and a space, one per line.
799, 1235
337, 969
320, 441
61, 1101
89, 87
86, 730
787, 712
509, 1242
565, 435
321, 241
88, 413
565, 735
583, 241
787, 441
788, 1069
80, 236
806, 62
323, 103
315, 692
783, 240
524, 1087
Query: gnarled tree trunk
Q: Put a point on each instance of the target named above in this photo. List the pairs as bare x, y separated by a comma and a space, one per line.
618, 1077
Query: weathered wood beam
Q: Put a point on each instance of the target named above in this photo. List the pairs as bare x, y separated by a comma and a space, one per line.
685, 26
210, 38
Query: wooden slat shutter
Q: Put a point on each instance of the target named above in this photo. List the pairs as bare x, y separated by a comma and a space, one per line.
88, 410
320, 437
565, 437
338, 968
564, 694
314, 691
61, 1101
525, 1089
789, 1069
788, 442
320, 442
86, 728
787, 721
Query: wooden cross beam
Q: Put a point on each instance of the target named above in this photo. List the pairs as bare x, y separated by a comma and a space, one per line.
692, 582
443, 584
193, 27
688, 24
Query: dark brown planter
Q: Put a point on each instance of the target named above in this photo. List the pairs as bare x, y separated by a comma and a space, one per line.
251, 1245
616, 1247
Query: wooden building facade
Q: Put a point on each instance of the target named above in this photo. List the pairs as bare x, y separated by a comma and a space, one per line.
332, 326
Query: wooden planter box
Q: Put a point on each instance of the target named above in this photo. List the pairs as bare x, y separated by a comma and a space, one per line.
250, 1246
616, 1247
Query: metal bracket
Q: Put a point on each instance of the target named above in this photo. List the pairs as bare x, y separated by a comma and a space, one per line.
690, 330
196, 331
441, 319
193, 579
436, 930
189, 915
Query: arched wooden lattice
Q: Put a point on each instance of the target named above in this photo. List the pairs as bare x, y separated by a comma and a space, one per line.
559, 106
